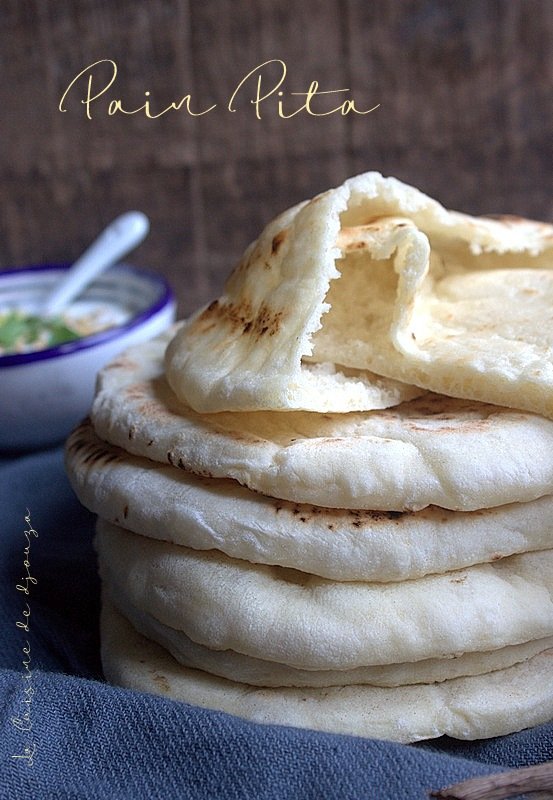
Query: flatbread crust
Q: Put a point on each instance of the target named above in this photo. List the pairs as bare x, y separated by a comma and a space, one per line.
260, 672
163, 502
308, 622
374, 275
434, 450
466, 708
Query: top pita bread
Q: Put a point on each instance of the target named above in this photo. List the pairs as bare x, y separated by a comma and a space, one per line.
374, 275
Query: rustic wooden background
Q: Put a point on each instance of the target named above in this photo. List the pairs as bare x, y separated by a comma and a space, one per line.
466, 114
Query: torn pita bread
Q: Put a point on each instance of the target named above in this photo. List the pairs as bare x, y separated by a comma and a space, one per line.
466, 708
308, 622
374, 275
163, 502
259, 672
433, 450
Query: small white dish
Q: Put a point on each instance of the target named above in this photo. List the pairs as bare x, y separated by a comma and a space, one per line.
45, 393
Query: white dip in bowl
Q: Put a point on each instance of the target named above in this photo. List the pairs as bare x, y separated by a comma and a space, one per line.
45, 392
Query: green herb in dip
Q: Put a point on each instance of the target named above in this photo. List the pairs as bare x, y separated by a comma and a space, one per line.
22, 333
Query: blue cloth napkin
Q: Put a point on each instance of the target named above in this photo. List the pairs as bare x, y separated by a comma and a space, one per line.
67, 734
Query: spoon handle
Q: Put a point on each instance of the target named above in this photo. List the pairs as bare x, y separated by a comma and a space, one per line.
122, 235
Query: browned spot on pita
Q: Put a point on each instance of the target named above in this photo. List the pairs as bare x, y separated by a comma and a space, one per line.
161, 682
170, 458
424, 414
277, 241
496, 556
95, 453
132, 432
125, 512
460, 579
75, 443
236, 315
266, 321
207, 318
362, 517
241, 315
202, 473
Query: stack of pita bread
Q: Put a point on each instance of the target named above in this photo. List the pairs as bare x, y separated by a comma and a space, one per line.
326, 500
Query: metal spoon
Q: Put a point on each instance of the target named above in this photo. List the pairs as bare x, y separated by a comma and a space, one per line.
120, 237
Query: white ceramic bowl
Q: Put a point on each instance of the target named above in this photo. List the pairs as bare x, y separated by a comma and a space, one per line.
44, 394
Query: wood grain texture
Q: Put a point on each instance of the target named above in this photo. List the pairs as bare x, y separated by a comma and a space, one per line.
470, 93
536, 780
466, 113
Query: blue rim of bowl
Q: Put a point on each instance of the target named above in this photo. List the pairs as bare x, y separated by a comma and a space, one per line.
167, 297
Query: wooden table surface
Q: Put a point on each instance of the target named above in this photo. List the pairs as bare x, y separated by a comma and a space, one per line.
465, 112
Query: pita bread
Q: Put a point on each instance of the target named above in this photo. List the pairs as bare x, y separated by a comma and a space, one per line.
466, 708
308, 622
259, 672
245, 331
163, 502
433, 450
374, 275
